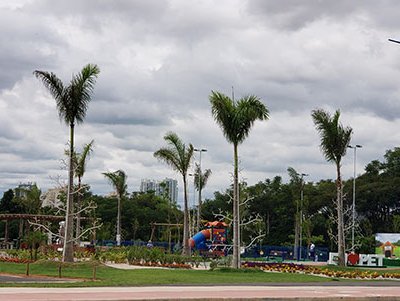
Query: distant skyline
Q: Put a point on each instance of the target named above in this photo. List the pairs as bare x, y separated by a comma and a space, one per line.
159, 61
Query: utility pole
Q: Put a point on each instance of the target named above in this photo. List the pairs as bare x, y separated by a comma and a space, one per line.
200, 186
301, 211
354, 193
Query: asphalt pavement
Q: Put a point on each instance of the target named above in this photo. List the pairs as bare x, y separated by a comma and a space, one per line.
239, 292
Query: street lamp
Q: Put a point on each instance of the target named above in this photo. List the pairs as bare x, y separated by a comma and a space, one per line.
354, 193
394, 41
301, 210
200, 150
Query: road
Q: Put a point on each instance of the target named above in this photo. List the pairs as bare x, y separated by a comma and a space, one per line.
270, 292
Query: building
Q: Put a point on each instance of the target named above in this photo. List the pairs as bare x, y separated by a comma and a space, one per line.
21, 191
167, 186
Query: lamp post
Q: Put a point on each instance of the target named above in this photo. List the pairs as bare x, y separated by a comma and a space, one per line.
200, 150
354, 193
301, 211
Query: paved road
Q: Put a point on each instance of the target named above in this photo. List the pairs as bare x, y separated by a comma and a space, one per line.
298, 293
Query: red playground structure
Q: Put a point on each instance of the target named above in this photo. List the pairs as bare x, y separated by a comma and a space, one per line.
212, 240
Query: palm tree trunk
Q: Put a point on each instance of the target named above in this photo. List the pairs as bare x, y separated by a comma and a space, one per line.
78, 215
118, 238
199, 208
236, 234
339, 196
68, 248
186, 248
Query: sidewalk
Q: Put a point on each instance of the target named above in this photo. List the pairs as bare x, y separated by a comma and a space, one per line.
278, 292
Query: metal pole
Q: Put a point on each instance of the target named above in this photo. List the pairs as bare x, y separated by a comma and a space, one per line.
200, 188
353, 224
301, 212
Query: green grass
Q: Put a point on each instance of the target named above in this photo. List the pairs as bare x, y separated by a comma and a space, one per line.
107, 276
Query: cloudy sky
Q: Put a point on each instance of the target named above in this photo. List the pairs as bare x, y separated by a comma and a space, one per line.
159, 61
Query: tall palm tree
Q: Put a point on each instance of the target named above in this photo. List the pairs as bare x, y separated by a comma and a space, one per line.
80, 169
118, 181
72, 103
179, 157
334, 142
200, 181
236, 119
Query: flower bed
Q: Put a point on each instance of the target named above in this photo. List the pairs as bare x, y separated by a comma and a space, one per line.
305, 269
14, 259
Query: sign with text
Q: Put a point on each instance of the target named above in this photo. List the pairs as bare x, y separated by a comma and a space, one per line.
365, 260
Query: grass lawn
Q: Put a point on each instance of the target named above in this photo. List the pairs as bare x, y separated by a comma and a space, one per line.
107, 276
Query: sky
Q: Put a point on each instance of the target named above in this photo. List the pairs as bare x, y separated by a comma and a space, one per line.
159, 62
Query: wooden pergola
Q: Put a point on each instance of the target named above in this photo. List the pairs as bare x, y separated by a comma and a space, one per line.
29, 217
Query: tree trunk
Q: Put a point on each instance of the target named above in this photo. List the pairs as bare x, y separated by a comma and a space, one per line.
339, 204
78, 215
68, 248
296, 233
199, 208
185, 243
236, 234
118, 238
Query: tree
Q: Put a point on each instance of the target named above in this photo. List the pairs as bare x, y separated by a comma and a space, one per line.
334, 142
200, 181
118, 181
179, 156
72, 103
236, 119
80, 168
6, 204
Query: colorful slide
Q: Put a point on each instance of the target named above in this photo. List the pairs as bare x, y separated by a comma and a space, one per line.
198, 241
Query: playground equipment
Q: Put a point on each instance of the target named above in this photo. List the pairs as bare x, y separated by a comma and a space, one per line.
212, 240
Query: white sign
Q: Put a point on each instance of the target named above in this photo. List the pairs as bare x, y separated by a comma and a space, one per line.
365, 260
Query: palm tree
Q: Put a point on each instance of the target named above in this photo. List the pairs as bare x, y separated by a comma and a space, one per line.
200, 181
179, 157
80, 168
118, 181
334, 142
72, 103
236, 119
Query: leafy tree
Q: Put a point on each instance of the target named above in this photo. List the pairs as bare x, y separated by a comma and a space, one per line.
334, 142
236, 119
7, 205
118, 181
200, 181
179, 156
34, 240
30, 203
72, 103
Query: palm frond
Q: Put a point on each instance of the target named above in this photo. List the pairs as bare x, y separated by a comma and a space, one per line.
118, 181
81, 160
80, 90
334, 137
56, 88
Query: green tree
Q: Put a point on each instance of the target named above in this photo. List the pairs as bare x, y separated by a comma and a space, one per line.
72, 103
30, 202
179, 156
200, 181
236, 119
7, 205
118, 181
34, 240
334, 142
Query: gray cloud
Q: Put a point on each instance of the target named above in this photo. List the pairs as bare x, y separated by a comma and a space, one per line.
160, 60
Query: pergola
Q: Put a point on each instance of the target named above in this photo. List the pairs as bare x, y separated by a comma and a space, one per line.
29, 217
